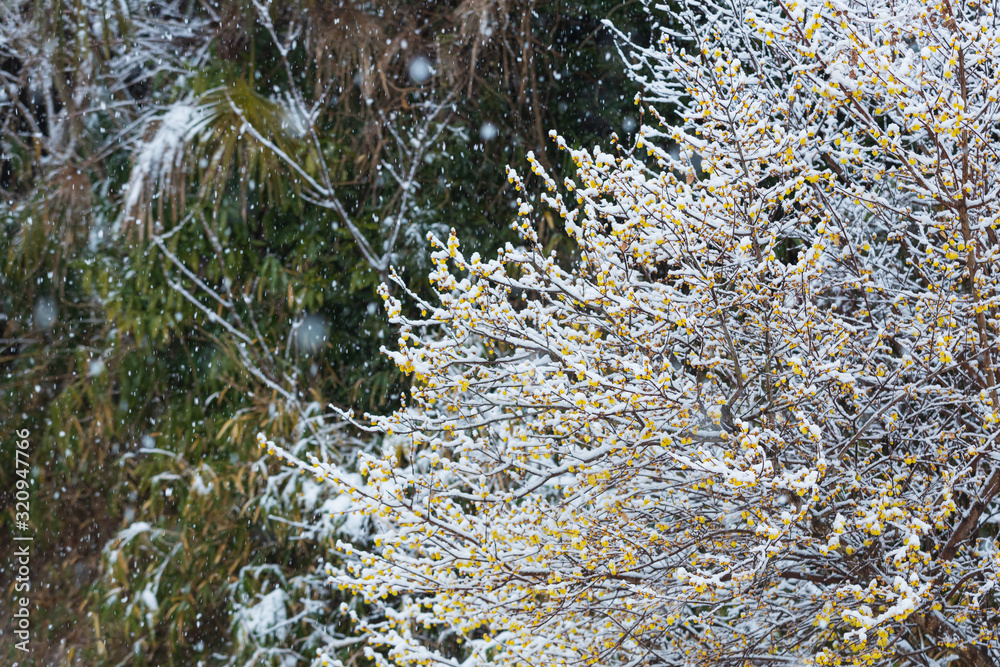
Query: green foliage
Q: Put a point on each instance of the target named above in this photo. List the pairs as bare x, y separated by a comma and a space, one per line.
137, 399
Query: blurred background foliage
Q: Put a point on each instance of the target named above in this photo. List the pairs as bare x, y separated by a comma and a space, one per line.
127, 173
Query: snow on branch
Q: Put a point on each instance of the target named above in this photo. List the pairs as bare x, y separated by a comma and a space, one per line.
756, 420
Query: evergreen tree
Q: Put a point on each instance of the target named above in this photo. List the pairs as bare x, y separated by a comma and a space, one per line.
162, 235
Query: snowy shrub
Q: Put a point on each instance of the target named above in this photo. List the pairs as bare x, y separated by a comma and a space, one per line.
755, 419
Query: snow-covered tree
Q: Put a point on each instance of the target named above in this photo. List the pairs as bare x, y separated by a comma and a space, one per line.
756, 420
